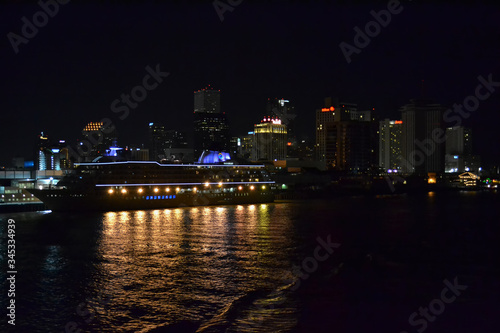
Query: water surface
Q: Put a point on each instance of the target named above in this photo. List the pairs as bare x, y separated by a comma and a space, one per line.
238, 268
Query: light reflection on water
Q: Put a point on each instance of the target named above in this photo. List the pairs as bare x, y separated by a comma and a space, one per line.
162, 266
229, 267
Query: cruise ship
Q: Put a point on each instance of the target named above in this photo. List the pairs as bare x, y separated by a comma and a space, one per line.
129, 185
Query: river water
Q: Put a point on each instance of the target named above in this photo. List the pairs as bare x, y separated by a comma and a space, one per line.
261, 268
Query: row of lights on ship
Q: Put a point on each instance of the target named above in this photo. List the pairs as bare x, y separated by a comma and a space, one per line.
156, 190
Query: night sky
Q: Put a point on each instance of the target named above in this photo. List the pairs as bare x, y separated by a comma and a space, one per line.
86, 56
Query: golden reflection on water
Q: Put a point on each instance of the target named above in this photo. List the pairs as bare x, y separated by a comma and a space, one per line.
199, 255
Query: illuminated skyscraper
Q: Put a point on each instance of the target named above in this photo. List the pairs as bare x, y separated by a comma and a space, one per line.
43, 152
343, 136
96, 139
51, 156
458, 140
325, 145
390, 144
246, 145
211, 130
157, 141
459, 157
270, 140
282, 109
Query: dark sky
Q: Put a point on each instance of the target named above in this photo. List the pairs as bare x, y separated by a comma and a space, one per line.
86, 56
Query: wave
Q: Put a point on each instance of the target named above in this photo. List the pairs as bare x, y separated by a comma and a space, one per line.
261, 310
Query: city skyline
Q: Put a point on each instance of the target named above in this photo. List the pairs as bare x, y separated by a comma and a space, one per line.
249, 166
283, 58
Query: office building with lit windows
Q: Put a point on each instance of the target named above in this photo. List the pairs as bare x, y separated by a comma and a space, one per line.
157, 139
245, 149
390, 134
97, 137
343, 136
211, 130
325, 145
170, 145
270, 140
282, 109
459, 155
51, 156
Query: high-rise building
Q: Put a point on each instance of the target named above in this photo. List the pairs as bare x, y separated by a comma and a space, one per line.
458, 140
96, 139
325, 148
270, 140
175, 139
245, 149
211, 130
344, 136
207, 100
282, 109
170, 145
305, 150
157, 141
458, 155
353, 145
422, 149
390, 135
51, 156
234, 146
